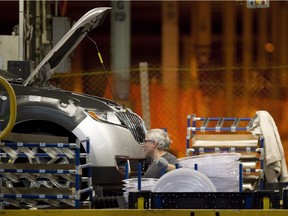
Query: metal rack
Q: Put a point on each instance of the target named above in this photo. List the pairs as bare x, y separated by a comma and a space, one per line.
228, 135
51, 177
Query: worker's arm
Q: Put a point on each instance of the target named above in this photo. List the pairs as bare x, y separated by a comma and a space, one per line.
171, 167
164, 164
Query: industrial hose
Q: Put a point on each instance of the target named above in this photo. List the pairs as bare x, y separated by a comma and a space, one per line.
13, 107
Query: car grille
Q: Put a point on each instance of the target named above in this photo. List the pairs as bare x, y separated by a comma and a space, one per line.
134, 124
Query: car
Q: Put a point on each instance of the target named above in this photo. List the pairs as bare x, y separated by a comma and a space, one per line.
115, 132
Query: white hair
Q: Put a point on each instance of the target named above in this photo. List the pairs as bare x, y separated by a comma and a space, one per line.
161, 137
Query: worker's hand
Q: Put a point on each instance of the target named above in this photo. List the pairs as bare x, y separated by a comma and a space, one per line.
162, 163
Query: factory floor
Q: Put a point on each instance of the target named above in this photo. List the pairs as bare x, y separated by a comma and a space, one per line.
139, 212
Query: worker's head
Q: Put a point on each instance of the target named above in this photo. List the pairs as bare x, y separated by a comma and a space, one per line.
156, 139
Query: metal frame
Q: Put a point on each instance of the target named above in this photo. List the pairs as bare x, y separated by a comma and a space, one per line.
220, 125
60, 194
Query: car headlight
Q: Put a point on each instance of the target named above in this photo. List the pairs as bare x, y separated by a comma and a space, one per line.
105, 116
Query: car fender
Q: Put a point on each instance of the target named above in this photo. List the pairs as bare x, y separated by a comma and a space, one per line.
107, 141
64, 113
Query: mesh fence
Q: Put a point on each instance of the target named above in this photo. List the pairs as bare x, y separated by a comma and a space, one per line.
213, 92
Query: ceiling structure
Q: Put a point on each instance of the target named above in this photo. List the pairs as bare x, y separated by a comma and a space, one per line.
145, 25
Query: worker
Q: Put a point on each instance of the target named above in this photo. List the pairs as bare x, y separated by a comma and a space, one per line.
156, 145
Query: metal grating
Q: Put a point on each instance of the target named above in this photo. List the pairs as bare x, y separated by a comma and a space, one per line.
134, 124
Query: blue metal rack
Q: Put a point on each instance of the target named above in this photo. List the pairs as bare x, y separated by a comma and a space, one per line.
12, 173
221, 126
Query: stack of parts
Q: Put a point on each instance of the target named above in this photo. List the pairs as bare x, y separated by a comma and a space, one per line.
222, 169
250, 148
131, 185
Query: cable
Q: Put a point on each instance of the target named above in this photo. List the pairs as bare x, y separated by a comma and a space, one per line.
103, 65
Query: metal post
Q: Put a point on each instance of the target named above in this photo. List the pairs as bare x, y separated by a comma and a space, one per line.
240, 177
120, 48
145, 98
139, 176
21, 30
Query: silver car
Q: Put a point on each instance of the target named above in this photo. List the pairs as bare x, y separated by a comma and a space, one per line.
115, 132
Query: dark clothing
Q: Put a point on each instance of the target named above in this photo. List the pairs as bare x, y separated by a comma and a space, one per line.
154, 171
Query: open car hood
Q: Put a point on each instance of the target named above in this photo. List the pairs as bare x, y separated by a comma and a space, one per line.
67, 44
